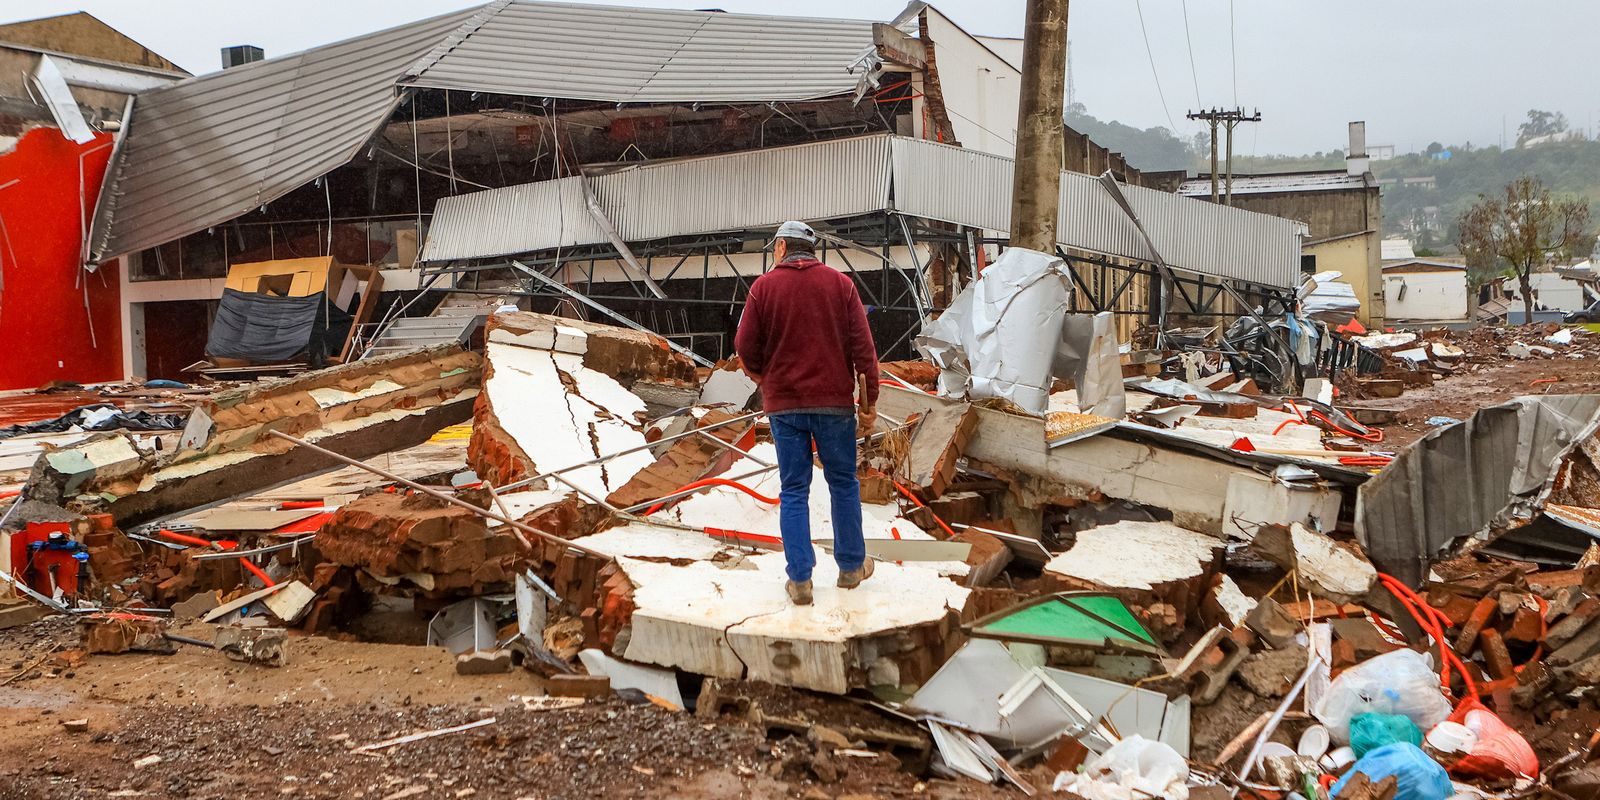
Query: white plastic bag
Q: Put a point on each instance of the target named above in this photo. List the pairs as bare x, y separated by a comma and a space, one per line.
1134, 768
1402, 682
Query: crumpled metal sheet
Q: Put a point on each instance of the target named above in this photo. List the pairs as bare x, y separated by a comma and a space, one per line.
1001, 335
1474, 478
1330, 300
1089, 353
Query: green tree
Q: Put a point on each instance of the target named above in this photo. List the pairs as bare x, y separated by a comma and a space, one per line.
1521, 229
1435, 148
1541, 123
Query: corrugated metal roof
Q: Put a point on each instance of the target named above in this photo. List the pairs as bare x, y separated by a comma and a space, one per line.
1268, 184
846, 177
646, 55
208, 149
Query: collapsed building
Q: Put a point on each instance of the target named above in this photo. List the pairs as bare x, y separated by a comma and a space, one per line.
530, 434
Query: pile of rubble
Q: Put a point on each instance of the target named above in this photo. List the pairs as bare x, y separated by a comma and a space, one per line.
1206, 592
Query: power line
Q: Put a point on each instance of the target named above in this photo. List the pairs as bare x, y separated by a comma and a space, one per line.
1152, 55
1189, 39
1233, 54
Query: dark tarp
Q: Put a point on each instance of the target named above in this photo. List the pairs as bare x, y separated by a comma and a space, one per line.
265, 329
99, 417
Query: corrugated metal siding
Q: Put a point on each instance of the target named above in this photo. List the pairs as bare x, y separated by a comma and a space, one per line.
516, 219
925, 174
1483, 474
209, 149
956, 185
736, 191
648, 55
755, 189
853, 176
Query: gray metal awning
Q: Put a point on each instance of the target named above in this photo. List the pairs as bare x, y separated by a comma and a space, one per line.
847, 177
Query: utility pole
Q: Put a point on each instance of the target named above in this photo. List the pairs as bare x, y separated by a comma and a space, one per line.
1036, 185
1228, 118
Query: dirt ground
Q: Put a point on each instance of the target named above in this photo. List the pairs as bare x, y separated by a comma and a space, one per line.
223, 729
1485, 381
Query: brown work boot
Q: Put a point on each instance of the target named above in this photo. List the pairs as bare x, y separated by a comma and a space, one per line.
799, 592
851, 578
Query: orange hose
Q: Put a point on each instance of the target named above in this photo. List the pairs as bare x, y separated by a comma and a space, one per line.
1295, 409
1286, 423
919, 504
1406, 596
771, 501
256, 571
220, 545
1375, 436
11, 493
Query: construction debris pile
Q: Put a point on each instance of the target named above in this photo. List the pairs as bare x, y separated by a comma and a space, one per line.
1206, 592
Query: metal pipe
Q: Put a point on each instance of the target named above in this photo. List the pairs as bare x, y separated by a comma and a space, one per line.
726, 446
746, 476
438, 495
583, 298
591, 462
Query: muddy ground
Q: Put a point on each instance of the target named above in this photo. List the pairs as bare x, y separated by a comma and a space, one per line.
1488, 377
223, 729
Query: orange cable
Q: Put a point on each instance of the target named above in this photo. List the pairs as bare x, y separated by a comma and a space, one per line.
771, 501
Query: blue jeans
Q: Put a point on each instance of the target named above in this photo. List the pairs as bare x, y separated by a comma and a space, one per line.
835, 438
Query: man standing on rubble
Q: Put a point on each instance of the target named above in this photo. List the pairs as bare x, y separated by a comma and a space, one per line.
804, 339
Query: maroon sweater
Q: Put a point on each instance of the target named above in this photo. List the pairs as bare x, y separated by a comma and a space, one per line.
804, 335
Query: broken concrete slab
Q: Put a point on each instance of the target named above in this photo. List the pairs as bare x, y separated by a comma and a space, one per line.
940, 437
358, 410
1331, 571
1144, 563
896, 625
544, 410
1256, 500
1130, 462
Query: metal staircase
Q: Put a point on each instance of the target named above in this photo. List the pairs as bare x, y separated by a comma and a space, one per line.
454, 320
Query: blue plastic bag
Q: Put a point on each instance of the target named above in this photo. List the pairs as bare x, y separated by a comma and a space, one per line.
1419, 777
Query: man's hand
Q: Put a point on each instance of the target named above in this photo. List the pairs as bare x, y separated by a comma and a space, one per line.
866, 420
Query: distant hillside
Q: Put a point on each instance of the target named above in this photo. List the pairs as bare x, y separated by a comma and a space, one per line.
1571, 167
1150, 149
1426, 214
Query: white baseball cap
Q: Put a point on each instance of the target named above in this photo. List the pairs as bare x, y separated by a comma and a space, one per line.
796, 230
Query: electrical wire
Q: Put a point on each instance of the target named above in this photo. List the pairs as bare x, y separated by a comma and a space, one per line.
1139, 6
1188, 39
1233, 59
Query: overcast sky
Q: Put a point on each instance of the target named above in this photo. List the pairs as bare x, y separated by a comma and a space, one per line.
1415, 70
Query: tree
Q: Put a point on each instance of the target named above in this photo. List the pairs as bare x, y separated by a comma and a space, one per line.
1541, 123
1435, 148
1523, 229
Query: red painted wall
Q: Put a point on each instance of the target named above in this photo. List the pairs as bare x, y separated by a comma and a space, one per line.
44, 329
